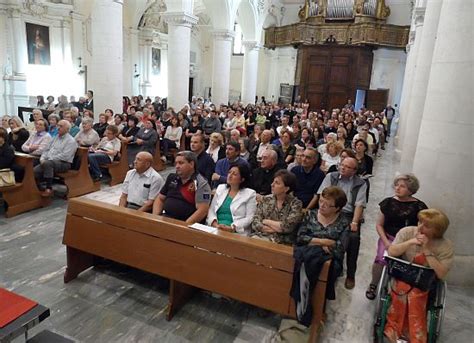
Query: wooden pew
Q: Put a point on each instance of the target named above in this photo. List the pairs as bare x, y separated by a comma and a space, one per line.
24, 196
118, 169
158, 164
253, 271
79, 182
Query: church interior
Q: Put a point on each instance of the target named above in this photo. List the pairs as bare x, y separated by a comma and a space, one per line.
99, 269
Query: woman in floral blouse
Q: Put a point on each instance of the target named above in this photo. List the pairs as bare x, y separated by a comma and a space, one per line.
278, 214
327, 228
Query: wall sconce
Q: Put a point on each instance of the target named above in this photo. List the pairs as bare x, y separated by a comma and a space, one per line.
135, 72
81, 71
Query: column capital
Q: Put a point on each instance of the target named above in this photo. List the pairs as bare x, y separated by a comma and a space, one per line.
180, 19
419, 15
251, 45
223, 34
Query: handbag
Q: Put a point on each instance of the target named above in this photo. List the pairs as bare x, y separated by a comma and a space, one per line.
7, 177
415, 275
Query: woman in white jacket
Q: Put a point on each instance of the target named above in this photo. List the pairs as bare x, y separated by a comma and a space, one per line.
234, 204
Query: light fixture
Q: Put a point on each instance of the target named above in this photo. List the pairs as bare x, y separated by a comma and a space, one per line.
135, 72
81, 71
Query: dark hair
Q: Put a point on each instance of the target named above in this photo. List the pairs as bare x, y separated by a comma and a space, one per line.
121, 116
46, 124
348, 152
134, 119
235, 145
288, 178
152, 123
89, 91
337, 194
364, 142
189, 156
113, 129
111, 111
244, 172
200, 136
4, 134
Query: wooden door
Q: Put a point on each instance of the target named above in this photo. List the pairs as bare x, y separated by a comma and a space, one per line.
376, 99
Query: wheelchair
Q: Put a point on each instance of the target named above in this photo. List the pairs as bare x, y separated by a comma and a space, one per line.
435, 309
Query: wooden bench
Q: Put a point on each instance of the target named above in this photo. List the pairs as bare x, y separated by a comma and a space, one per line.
118, 169
23, 196
158, 164
250, 270
79, 182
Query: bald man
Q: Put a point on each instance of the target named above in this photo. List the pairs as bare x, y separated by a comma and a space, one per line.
141, 185
263, 175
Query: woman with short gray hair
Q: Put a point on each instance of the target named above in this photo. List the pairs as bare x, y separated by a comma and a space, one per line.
396, 212
87, 137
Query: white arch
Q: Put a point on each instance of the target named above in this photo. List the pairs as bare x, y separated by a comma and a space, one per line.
247, 15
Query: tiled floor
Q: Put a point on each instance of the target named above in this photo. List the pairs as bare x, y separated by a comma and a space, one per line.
112, 303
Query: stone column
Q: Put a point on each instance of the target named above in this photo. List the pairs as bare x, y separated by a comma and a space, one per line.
444, 154
408, 84
250, 71
146, 42
19, 39
106, 65
221, 66
134, 59
273, 90
179, 42
420, 82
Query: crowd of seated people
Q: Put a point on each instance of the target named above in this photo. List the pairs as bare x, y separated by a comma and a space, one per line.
281, 173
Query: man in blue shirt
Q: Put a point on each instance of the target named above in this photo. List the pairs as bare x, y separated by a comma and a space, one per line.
232, 153
309, 176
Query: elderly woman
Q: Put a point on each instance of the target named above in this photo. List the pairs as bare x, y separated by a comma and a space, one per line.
38, 140
18, 133
327, 228
423, 244
105, 152
396, 212
331, 156
53, 120
278, 214
5, 119
234, 203
101, 125
144, 140
87, 136
215, 149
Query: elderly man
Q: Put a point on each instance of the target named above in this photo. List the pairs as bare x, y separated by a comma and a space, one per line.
212, 124
205, 163
285, 125
141, 185
232, 153
37, 115
263, 176
186, 194
56, 158
355, 189
309, 176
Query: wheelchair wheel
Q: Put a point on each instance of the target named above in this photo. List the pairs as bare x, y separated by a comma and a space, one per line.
383, 304
435, 313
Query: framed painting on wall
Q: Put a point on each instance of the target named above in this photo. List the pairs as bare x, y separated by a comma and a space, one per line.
37, 40
156, 60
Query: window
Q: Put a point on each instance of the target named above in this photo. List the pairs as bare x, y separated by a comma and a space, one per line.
239, 37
